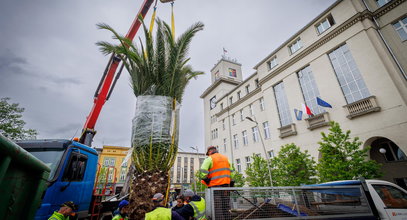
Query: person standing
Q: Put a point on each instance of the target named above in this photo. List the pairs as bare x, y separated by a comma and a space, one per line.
123, 211
67, 209
216, 171
160, 212
195, 207
180, 203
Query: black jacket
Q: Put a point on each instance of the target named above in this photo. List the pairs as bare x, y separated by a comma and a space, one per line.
187, 211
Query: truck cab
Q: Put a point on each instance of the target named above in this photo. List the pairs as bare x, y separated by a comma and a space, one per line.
73, 170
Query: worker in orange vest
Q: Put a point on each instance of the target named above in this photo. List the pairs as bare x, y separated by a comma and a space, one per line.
216, 171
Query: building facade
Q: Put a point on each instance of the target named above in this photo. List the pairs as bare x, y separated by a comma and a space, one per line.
111, 162
184, 168
353, 56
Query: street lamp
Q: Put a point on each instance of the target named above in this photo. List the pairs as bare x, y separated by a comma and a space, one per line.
196, 149
264, 148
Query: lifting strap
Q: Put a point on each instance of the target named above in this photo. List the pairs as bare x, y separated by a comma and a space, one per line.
152, 20
172, 21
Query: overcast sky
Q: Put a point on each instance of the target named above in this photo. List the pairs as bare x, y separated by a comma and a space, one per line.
50, 65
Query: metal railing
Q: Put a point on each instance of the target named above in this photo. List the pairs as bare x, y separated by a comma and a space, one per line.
318, 202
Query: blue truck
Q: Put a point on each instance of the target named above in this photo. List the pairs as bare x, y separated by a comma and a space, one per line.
72, 176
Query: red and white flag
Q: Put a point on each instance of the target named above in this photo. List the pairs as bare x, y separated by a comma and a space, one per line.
307, 110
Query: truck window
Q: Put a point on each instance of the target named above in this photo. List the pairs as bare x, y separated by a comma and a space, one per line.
50, 157
391, 196
76, 168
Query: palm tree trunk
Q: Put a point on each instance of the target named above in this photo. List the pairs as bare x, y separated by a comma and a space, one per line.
155, 146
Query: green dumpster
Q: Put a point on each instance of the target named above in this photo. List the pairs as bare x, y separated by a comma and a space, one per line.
23, 180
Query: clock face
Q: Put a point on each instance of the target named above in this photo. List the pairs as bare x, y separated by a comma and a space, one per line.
212, 102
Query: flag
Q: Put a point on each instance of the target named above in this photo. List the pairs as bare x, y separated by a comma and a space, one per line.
323, 103
224, 50
298, 114
307, 110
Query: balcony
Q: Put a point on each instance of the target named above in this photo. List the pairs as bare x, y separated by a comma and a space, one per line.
287, 130
318, 121
362, 107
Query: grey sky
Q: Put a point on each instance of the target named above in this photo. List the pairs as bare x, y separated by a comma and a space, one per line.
49, 62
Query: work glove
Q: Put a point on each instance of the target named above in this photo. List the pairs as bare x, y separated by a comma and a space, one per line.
207, 180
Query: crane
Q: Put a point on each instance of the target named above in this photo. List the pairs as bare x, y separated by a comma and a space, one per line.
109, 79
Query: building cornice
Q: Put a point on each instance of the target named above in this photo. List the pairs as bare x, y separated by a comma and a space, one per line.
338, 30
238, 102
388, 7
216, 83
238, 86
296, 34
226, 60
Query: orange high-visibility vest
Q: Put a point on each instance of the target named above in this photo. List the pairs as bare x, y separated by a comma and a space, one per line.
220, 171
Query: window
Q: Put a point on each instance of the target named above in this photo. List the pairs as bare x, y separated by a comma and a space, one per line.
76, 168
309, 89
261, 101
235, 141
245, 141
272, 63
325, 24
230, 100
110, 177
239, 95
241, 115
233, 119
282, 105
352, 84
124, 164
247, 162
123, 173
248, 89
223, 124
266, 130
255, 131
380, 3
238, 165
106, 162
191, 171
271, 153
256, 82
294, 47
392, 151
232, 72
178, 169
112, 162
251, 110
221, 106
185, 170
401, 28
224, 144
212, 102
392, 197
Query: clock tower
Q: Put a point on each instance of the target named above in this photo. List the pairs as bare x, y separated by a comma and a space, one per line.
225, 75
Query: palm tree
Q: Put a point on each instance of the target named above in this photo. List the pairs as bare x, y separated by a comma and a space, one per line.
159, 74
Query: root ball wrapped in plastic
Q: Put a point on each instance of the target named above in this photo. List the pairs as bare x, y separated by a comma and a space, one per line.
155, 132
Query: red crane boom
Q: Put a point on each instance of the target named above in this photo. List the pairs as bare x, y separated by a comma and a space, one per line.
108, 80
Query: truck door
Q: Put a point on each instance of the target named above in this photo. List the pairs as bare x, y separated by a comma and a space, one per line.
394, 200
76, 181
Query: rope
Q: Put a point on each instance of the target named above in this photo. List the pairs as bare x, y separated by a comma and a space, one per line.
172, 20
152, 21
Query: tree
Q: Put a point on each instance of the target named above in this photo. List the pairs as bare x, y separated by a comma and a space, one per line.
293, 167
238, 178
159, 74
257, 172
11, 122
342, 158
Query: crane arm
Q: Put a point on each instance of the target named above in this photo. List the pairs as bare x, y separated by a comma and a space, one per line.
108, 80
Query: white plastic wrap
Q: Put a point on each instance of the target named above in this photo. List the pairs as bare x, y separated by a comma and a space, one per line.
155, 125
